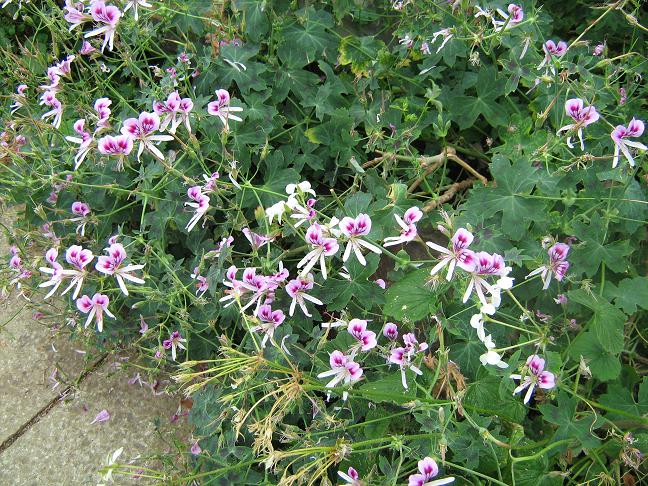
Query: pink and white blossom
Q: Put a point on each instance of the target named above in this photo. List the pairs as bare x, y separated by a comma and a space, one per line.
350, 477
101, 106
428, 469
112, 265
256, 240
390, 331
343, 370
135, 4
297, 289
534, 376
75, 15
484, 265
200, 204
222, 109
353, 229
366, 339
95, 307
445, 34
108, 17
512, 17
269, 320
81, 210
84, 141
49, 99
321, 247
459, 255
620, 137
552, 50
79, 258
404, 356
19, 98
174, 343
202, 285
582, 116
408, 227
143, 129
558, 265
120, 145
87, 48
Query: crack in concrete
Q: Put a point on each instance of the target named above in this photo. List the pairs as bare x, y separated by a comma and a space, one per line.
24, 428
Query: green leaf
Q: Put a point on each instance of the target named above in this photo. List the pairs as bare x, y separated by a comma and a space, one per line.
569, 427
595, 251
514, 182
486, 396
337, 293
620, 398
410, 299
359, 52
308, 38
606, 323
390, 388
630, 294
604, 364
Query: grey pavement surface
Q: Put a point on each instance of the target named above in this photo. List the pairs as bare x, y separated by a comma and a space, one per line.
61, 446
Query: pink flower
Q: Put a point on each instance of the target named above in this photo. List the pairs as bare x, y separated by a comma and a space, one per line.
79, 258
552, 49
558, 265
390, 331
582, 117
74, 14
269, 321
80, 209
484, 265
256, 240
168, 111
353, 229
200, 205
428, 469
321, 247
381, 283
86, 48
95, 308
121, 145
173, 343
351, 477
102, 416
112, 265
49, 99
620, 137
536, 377
84, 142
446, 34
297, 289
408, 227
210, 182
142, 129
101, 106
195, 448
366, 339
598, 50
108, 16
403, 356
343, 369
202, 285
459, 255
514, 16
19, 98
134, 4
222, 109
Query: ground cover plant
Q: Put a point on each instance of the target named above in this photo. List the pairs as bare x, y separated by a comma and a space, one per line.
375, 242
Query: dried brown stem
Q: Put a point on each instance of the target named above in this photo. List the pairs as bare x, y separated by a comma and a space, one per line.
448, 194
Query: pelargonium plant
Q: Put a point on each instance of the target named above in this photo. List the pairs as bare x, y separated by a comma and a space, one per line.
360, 236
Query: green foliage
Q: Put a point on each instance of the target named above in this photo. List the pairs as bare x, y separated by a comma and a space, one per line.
380, 107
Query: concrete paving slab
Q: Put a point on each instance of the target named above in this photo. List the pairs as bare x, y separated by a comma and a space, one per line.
45, 440
64, 447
